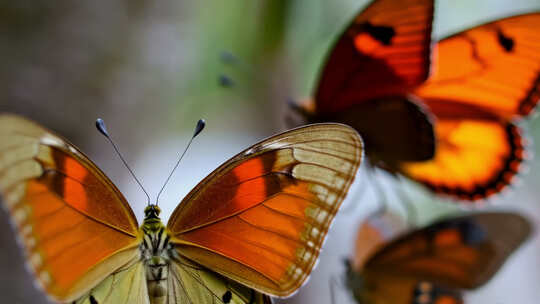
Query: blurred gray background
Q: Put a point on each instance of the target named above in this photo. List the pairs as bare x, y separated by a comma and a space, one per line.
150, 69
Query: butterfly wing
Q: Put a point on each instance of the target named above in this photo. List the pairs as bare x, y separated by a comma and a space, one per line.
260, 219
461, 252
495, 66
126, 285
458, 253
191, 283
380, 288
75, 226
394, 130
385, 51
482, 78
373, 233
476, 157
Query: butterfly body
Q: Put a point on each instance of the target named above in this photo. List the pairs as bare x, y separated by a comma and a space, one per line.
156, 254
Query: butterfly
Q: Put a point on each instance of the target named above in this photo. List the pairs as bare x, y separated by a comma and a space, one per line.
432, 265
254, 226
452, 130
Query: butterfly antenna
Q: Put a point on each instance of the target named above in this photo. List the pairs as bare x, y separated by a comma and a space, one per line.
198, 129
102, 128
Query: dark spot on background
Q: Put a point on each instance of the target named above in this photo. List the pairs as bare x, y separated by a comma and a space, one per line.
225, 81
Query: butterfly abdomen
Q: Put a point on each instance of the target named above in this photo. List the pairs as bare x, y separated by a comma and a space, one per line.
155, 253
157, 274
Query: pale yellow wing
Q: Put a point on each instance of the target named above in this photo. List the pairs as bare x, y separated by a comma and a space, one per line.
192, 284
125, 286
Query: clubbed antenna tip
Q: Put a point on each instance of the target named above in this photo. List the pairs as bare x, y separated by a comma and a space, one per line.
198, 129
102, 128
200, 126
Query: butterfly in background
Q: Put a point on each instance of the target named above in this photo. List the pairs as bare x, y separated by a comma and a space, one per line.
254, 226
433, 264
454, 130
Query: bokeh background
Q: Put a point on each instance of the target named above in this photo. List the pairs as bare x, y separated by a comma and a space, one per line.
151, 69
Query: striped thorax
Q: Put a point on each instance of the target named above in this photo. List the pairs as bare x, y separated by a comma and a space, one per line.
156, 254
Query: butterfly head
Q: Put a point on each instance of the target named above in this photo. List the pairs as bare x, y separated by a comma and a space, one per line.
151, 212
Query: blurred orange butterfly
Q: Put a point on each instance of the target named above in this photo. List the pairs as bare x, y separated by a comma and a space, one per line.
431, 265
455, 132
255, 225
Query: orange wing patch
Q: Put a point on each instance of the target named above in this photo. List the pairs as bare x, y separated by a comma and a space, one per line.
474, 160
267, 211
82, 190
460, 252
62, 244
73, 188
495, 67
68, 216
483, 79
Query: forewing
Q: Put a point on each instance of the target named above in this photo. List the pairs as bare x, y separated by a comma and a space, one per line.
192, 284
476, 156
75, 227
385, 51
460, 252
495, 66
261, 217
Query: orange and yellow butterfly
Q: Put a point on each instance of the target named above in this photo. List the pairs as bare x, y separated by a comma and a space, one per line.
453, 131
254, 227
433, 264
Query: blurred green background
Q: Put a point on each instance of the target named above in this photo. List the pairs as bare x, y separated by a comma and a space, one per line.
151, 70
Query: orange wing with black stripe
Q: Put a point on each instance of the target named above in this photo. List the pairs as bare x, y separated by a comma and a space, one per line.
75, 226
432, 264
385, 51
261, 217
484, 78
494, 67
